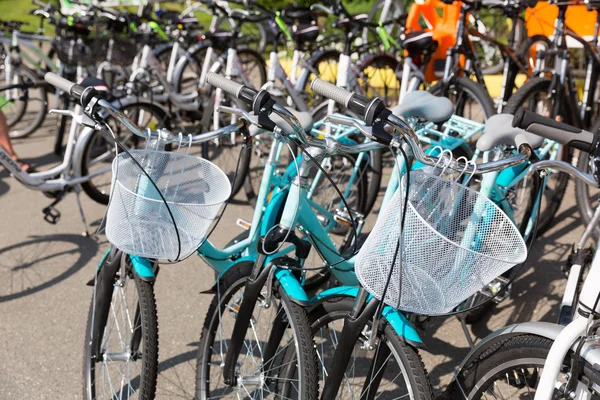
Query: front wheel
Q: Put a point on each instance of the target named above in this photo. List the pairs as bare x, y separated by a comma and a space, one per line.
278, 358
400, 372
510, 369
470, 99
587, 197
536, 95
121, 342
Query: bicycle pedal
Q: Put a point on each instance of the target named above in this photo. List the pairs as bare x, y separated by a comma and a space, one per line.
51, 215
245, 225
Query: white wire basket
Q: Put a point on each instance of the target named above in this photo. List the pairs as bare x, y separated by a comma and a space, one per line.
140, 223
455, 241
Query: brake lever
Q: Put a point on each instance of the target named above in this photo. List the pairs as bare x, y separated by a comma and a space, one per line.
343, 120
252, 119
81, 119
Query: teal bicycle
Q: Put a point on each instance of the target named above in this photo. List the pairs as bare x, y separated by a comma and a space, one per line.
233, 320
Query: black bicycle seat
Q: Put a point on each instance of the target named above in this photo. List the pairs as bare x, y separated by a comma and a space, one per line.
417, 42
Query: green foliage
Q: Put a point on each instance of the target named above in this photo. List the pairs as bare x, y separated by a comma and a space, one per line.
19, 10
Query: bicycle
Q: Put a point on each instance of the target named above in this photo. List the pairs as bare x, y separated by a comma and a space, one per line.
82, 165
556, 96
343, 269
547, 359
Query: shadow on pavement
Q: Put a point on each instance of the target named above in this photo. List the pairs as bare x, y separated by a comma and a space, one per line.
41, 262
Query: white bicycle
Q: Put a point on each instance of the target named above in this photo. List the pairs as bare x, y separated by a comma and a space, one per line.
541, 360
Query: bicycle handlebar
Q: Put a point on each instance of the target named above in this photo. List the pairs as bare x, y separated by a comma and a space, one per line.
369, 110
85, 96
554, 130
372, 110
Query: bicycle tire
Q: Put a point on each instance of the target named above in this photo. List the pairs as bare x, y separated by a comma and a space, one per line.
524, 50
389, 67
230, 285
337, 308
554, 197
106, 282
247, 55
28, 76
329, 57
91, 188
460, 87
502, 358
587, 199
194, 61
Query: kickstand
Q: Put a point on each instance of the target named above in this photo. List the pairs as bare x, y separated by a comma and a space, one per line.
463, 323
85, 225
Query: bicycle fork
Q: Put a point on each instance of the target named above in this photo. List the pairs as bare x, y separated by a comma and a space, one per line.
354, 324
257, 280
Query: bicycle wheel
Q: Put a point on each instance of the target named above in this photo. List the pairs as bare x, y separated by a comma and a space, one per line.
503, 370
470, 99
254, 68
587, 197
25, 106
378, 77
324, 66
535, 95
528, 52
401, 373
257, 374
187, 80
99, 152
494, 24
121, 342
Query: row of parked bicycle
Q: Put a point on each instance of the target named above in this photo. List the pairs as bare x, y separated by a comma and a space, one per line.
306, 303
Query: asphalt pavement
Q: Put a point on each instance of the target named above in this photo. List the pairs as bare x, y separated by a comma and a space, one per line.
44, 299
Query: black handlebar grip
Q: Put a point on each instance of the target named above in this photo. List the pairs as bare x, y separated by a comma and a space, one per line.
238, 90
354, 102
554, 130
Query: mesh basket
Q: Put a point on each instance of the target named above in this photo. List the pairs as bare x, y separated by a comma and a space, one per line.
80, 51
139, 223
121, 50
455, 241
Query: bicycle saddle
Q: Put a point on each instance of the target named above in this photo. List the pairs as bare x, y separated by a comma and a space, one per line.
92, 81
499, 130
424, 105
304, 117
417, 42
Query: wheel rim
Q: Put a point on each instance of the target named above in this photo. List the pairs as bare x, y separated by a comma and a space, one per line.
394, 383
257, 376
513, 379
118, 371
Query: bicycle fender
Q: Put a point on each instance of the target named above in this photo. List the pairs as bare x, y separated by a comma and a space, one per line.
143, 268
397, 321
292, 286
590, 351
